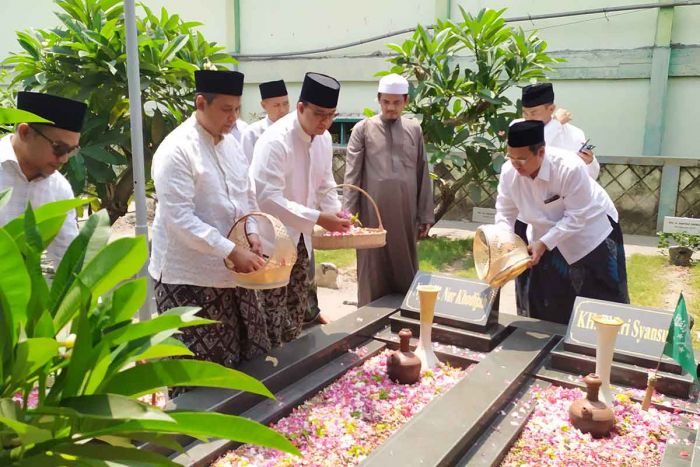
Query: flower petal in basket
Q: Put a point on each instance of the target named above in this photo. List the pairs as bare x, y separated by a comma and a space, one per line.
360, 239
357, 238
278, 250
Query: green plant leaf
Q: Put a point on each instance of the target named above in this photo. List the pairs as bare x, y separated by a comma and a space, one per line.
209, 424
98, 171
14, 116
45, 215
99, 153
116, 262
71, 381
5, 196
28, 434
127, 299
170, 348
132, 456
31, 355
149, 377
172, 319
92, 237
15, 292
174, 47
114, 406
33, 249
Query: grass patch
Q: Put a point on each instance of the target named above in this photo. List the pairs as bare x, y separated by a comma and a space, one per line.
437, 254
440, 254
646, 280
692, 302
695, 279
341, 258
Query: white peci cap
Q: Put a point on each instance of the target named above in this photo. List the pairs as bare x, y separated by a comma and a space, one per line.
393, 84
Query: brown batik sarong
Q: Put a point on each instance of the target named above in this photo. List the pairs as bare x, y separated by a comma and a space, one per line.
285, 307
241, 331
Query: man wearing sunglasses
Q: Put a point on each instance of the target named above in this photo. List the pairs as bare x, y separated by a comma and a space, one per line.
31, 157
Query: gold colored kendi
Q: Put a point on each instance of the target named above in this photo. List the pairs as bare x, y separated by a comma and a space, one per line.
499, 255
427, 295
594, 414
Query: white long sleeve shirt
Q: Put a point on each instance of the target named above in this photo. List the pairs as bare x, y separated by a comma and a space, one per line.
39, 191
291, 170
237, 130
202, 189
569, 137
576, 222
251, 134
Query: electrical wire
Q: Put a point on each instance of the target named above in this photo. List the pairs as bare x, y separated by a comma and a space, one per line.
531, 18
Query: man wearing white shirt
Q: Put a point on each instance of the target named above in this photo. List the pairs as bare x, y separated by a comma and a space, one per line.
31, 157
292, 167
577, 248
203, 185
538, 104
238, 126
275, 101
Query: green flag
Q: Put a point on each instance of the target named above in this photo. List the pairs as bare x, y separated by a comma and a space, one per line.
678, 344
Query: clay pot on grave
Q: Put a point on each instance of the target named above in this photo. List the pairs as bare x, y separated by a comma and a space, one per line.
679, 255
402, 365
591, 415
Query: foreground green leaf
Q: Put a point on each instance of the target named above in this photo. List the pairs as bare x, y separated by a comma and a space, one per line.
114, 406
149, 377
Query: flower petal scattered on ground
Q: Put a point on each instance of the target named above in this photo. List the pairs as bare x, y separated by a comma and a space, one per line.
639, 437
344, 422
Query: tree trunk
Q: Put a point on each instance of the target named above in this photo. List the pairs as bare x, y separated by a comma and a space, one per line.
448, 187
118, 204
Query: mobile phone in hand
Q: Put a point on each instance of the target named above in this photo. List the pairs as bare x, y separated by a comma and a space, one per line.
585, 146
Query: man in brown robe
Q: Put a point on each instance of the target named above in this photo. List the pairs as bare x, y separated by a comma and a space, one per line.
386, 157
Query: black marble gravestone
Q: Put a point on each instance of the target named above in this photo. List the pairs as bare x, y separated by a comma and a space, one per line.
466, 312
638, 347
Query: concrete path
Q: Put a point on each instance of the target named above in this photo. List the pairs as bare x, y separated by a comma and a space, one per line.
334, 303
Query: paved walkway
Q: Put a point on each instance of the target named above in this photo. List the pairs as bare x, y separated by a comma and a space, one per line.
338, 303
334, 303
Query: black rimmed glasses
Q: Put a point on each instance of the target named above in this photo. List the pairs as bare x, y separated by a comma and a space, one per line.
59, 148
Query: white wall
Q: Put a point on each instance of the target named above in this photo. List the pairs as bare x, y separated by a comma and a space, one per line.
611, 111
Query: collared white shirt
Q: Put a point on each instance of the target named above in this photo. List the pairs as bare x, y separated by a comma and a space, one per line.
291, 170
569, 137
576, 222
39, 191
237, 130
251, 134
202, 189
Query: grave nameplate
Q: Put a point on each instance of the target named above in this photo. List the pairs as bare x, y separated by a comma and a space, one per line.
643, 334
483, 215
687, 225
461, 299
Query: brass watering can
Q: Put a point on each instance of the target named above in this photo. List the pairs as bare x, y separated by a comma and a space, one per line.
499, 255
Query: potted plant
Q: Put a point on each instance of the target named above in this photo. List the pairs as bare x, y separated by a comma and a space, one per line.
681, 253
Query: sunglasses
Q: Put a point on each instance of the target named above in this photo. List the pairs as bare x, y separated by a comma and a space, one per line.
59, 148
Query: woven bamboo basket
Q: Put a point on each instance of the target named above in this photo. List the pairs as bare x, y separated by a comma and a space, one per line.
373, 237
278, 250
